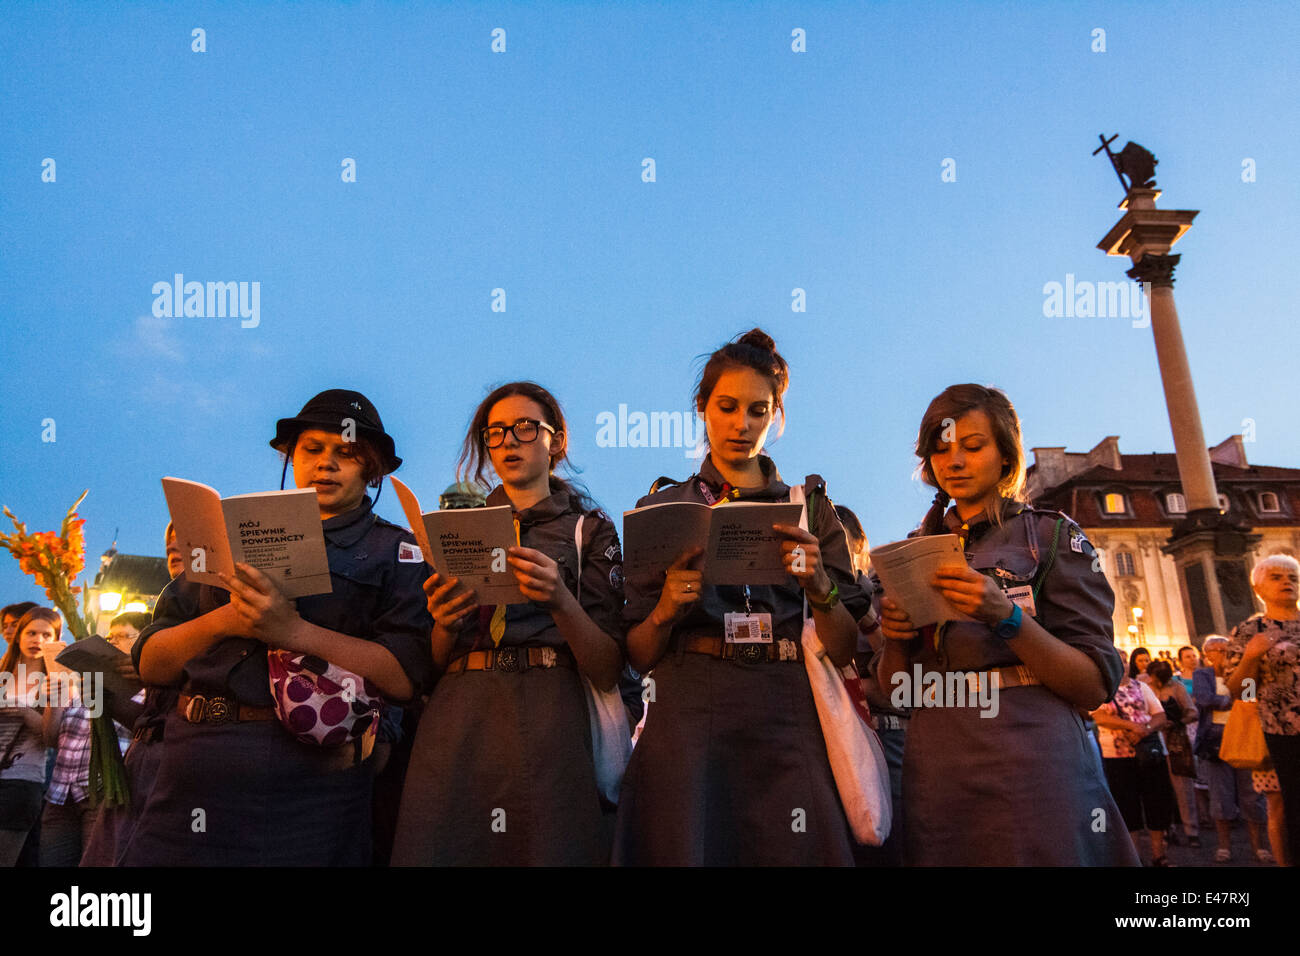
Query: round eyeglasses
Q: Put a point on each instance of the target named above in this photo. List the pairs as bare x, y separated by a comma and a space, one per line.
525, 431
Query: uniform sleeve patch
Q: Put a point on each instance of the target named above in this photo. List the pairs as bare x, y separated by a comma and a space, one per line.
1077, 541
408, 553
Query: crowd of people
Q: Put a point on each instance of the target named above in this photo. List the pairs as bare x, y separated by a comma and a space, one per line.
398, 720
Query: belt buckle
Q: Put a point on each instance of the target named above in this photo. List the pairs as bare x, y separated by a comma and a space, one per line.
194, 709
548, 657
750, 653
219, 710
508, 660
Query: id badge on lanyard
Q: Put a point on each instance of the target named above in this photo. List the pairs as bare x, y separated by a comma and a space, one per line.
746, 628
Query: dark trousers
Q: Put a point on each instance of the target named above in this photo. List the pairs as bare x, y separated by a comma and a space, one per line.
65, 830
1285, 751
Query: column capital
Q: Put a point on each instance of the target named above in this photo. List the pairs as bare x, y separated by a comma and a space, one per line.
1156, 269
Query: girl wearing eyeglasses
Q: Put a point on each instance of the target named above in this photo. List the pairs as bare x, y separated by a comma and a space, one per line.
501, 771
731, 768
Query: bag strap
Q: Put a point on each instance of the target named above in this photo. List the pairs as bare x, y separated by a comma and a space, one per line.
807, 495
1051, 556
577, 539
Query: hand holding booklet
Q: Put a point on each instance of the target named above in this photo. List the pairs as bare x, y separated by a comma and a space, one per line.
466, 543
277, 532
739, 544
906, 568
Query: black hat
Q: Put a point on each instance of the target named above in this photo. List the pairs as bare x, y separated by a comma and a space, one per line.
329, 410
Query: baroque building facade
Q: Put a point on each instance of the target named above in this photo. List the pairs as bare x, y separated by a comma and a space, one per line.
1127, 505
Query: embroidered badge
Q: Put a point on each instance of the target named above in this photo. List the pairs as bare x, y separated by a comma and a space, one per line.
1077, 541
616, 577
408, 553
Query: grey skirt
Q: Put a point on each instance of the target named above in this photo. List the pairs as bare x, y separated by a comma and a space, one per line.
1022, 788
249, 794
501, 774
730, 770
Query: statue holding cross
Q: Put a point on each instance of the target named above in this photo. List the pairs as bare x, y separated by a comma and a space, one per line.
1135, 166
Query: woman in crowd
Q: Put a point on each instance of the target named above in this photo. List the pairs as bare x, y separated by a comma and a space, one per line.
1134, 759
501, 771
142, 751
22, 757
1138, 663
1232, 794
1265, 650
1182, 713
234, 786
731, 767
1040, 612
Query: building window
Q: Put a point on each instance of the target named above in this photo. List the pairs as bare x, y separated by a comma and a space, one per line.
1223, 502
1175, 503
1124, 563
1268, 502
1113, 504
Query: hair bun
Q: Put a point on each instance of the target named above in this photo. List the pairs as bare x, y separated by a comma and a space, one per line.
758, 339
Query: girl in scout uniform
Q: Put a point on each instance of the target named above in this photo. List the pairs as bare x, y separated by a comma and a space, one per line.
731, 767
235, 787
501, 770
1021, 786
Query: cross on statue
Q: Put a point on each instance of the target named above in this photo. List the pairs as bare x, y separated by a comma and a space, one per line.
1133, 161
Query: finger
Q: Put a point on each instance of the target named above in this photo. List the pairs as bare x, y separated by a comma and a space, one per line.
530, 554
444, 591
793, 532
253, 577
524, 564
684, 560
432, 583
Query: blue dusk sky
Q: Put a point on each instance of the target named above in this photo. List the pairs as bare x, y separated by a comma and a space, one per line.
921, 171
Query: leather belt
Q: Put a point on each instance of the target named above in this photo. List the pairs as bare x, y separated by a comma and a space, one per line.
200, 709
747, 653
888, 722
513, 660
1017, 675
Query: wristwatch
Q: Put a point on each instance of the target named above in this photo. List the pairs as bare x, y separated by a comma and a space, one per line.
1009, 627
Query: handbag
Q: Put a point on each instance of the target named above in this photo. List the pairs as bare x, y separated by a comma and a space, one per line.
1243, 743
322, 703
611, 739
1182, 763
1149, 751
856, 757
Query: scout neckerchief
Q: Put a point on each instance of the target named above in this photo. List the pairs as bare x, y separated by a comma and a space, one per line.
496, 621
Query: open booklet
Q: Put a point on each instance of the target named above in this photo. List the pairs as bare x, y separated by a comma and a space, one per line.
277, 532
466, 543
739, 544
905, 569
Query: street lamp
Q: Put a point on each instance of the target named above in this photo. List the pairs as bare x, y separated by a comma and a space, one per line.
110, 601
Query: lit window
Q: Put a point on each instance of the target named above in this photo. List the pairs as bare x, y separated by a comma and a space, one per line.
1114, 504
1268, 502
1124, 563
1175, 503
1223, 502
